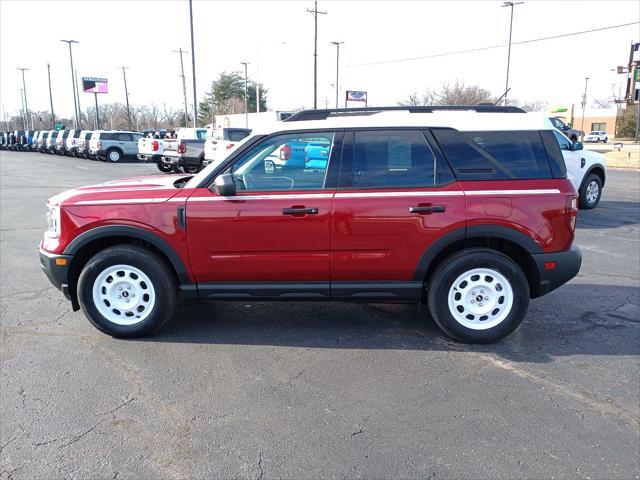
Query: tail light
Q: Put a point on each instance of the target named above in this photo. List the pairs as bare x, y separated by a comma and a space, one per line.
230, 146
154, 145
182, 148
572, 212
285, 152
99, 144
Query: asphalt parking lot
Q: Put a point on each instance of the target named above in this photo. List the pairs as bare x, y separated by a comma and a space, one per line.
317, 390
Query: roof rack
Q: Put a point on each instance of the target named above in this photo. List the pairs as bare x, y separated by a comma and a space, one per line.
320, 114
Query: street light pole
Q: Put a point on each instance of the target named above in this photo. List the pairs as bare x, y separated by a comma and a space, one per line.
53, 115
337, 44
79, 107
26, 106
584, 104
193, 68
184, 87
315, 51
73, 82
126, 94
506, 86
246, 85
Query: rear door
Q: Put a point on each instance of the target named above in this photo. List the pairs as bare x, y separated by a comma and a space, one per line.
396, 196
272, 238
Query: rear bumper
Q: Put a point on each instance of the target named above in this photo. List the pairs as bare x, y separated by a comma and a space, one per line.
149, 158
567, 266
57, 274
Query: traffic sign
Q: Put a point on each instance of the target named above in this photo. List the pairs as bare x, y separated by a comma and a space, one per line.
58, 126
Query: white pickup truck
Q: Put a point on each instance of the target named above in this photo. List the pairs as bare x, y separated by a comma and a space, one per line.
221, 141
150, 149
185, 152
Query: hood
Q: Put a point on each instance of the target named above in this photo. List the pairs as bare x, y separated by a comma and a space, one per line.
151, 189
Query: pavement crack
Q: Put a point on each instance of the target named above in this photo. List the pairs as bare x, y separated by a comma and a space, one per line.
295, 377
76, 438
260, 466
127, 402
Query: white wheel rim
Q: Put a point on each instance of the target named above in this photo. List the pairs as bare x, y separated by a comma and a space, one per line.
123, 295
480, 299
114, 156
592, 191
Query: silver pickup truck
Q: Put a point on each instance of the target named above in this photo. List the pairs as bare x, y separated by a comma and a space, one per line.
186, 152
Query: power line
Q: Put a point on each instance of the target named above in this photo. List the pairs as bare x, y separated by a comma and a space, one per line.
480, 49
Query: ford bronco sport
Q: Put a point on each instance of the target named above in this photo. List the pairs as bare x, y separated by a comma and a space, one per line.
467, 209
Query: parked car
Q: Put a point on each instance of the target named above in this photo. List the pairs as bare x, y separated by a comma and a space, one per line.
50, 142
186, 151
83, 144
150, 148
61, 142
407, 209
113, 145
72, 143
41, 142
596, 136
570, 132
220, 141
586, 169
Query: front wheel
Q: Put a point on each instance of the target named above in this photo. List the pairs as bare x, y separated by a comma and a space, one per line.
590, 192
478, 295
127, 291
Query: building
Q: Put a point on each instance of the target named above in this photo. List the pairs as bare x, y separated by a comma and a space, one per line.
594, 118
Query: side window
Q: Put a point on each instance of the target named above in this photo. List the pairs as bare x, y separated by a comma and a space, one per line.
201, 134
520, 152
564, 142
294, 161
556, 160
388, 159
124, 137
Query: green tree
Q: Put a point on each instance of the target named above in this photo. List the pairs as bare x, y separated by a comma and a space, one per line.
226, 96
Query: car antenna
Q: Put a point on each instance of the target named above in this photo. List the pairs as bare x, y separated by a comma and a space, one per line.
501, 96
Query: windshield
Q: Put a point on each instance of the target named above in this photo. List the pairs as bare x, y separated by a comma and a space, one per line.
204, 173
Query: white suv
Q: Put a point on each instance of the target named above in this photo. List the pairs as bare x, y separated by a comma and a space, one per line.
596, 136
221, 141
586, 169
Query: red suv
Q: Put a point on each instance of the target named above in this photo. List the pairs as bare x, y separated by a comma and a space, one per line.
467, 209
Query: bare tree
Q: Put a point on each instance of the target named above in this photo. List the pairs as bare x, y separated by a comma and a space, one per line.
602, 102
456, 94
535, 105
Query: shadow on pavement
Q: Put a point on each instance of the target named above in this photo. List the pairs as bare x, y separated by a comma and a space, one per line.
605, 324
610, 214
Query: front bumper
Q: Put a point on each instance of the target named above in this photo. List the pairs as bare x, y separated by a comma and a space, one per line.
56, 273
567, 266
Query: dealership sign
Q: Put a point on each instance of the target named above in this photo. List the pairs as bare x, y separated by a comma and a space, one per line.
94, 85
356, 96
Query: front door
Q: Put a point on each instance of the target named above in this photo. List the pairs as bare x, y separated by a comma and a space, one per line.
395, 197
572, 159
272, 238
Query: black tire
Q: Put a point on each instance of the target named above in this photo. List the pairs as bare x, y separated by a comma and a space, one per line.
153, 266
113, 155
598, 140
606, 139
164, 167
191, 168
584, 203
451, 268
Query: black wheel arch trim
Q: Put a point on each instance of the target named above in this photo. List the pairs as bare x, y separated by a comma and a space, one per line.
475, 231
133, 232
589, 172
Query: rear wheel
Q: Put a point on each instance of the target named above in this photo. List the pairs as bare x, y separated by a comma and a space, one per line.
127, 291
191, 168
478, 295
114, 155
164, 167
590, 192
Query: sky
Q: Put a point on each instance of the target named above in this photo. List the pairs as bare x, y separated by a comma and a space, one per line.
276, 37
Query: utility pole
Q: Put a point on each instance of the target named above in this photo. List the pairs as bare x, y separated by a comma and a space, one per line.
506, 86
193, 68
258, 79
22, 113
246, 85
184, 86
53, 116
126, 95
73, 84
26, 106
315, 51
337, 44
79, 108
584, 104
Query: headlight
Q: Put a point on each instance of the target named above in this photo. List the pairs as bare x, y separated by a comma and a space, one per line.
53, 222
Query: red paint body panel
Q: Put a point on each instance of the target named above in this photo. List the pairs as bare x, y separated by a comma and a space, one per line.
377, 238
251, 239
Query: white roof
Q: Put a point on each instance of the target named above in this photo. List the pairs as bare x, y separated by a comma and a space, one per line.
460, 120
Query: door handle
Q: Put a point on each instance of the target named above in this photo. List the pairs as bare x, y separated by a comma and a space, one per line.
429, 209
294, 211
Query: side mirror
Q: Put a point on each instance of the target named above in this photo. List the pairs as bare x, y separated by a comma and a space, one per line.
578, 146
224, 185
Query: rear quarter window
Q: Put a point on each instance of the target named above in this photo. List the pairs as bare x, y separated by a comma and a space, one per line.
494, 155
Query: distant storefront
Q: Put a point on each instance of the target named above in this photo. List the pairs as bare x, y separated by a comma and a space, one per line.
594, 118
